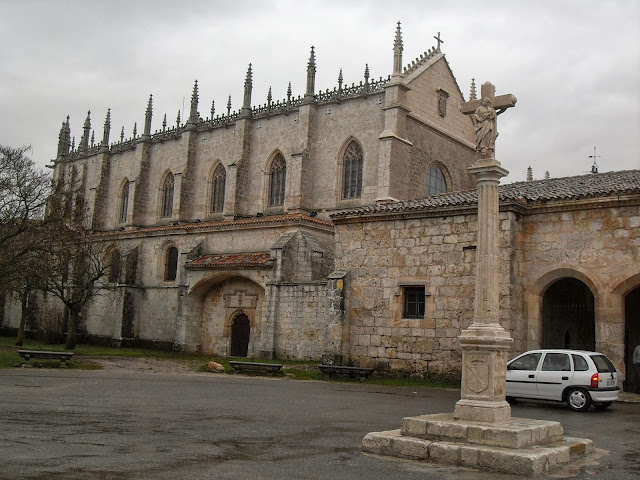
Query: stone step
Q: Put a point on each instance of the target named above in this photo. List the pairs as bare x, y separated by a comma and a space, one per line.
515, 433
535, 460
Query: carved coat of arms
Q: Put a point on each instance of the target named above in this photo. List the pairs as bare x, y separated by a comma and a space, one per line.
478, 373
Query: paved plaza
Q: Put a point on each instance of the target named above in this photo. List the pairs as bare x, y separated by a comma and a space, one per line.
68, 424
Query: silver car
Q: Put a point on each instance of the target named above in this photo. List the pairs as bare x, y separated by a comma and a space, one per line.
579, 378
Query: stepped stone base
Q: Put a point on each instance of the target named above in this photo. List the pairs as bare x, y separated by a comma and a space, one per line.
519, 446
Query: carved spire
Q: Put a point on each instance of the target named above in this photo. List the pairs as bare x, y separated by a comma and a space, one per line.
248, 87
366, 77
229, 107
122, 135
529, 174
311, 77
269, 99
397, 53
135, 130
193, 113
473, 95
340, 80
178, 120
106, 131
93, 138
84, 141
164, 123
213, 108
61, 141
147, 118
289, 95
64, 139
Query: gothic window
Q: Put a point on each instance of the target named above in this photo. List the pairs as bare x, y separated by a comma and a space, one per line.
217, 189
414, 302
352, 171
124, 203
436, 181
171, 264
277, 178
167, 196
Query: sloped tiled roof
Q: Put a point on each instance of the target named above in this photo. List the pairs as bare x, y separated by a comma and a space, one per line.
222, 224
538, 191
234, 260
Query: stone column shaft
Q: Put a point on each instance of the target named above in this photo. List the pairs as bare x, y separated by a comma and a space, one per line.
485, 343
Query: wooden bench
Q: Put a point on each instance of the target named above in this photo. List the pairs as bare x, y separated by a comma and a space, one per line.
352, 372
29, 354
256, 367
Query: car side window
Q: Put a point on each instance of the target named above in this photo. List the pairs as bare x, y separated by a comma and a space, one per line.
526, 362
579, 364
556, 362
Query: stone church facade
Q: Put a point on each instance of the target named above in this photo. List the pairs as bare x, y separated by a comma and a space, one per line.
342, 224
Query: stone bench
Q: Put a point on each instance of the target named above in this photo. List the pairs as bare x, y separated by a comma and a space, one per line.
353, 372
272, 368
29, 354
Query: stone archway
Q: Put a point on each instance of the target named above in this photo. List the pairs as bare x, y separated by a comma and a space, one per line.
631, 337
240, 335
568, 315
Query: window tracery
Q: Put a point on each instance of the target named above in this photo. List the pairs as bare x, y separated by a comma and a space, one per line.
218, 182
352, 171
277, 179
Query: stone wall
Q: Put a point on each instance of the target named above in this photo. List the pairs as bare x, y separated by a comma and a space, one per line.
301, 323
597, 243
438, 252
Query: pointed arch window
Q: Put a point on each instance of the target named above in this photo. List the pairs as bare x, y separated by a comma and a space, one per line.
277, 179
352, 171
217, 189
171, 264
124, 203
167, 196
436, 181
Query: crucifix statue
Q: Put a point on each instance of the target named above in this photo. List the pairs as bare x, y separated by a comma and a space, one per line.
484, 113
485, 343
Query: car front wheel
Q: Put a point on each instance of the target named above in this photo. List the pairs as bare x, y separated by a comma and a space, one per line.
578, 399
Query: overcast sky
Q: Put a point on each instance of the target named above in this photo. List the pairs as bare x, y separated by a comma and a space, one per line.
574, 65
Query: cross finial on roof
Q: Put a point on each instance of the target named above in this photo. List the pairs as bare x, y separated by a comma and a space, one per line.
439, 40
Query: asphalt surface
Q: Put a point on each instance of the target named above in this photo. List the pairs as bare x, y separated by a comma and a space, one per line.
68, 424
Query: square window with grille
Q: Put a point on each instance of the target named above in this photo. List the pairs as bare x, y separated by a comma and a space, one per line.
414, 302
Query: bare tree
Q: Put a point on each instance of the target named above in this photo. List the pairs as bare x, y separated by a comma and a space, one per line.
24, 190
75, 265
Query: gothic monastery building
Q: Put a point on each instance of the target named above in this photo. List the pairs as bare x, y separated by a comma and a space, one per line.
342, 224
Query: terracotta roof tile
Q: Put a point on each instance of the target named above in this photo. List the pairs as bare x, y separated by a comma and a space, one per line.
222, 224
235, 260
537, 191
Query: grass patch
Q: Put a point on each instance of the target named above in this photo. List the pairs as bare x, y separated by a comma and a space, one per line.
292, 369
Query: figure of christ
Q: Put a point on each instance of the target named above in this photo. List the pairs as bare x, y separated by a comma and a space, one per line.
485, 121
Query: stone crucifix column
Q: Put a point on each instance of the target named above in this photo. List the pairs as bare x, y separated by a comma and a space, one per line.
485, 343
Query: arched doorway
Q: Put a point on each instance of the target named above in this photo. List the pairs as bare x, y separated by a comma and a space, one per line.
240, 332
568, 316
631, 338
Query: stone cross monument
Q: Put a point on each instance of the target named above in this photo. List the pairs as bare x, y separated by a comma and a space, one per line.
480, 432
485, 343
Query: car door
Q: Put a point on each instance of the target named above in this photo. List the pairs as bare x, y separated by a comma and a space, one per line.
521, 375
554, 375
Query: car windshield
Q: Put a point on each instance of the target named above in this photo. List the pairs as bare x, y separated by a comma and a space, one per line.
603, 364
